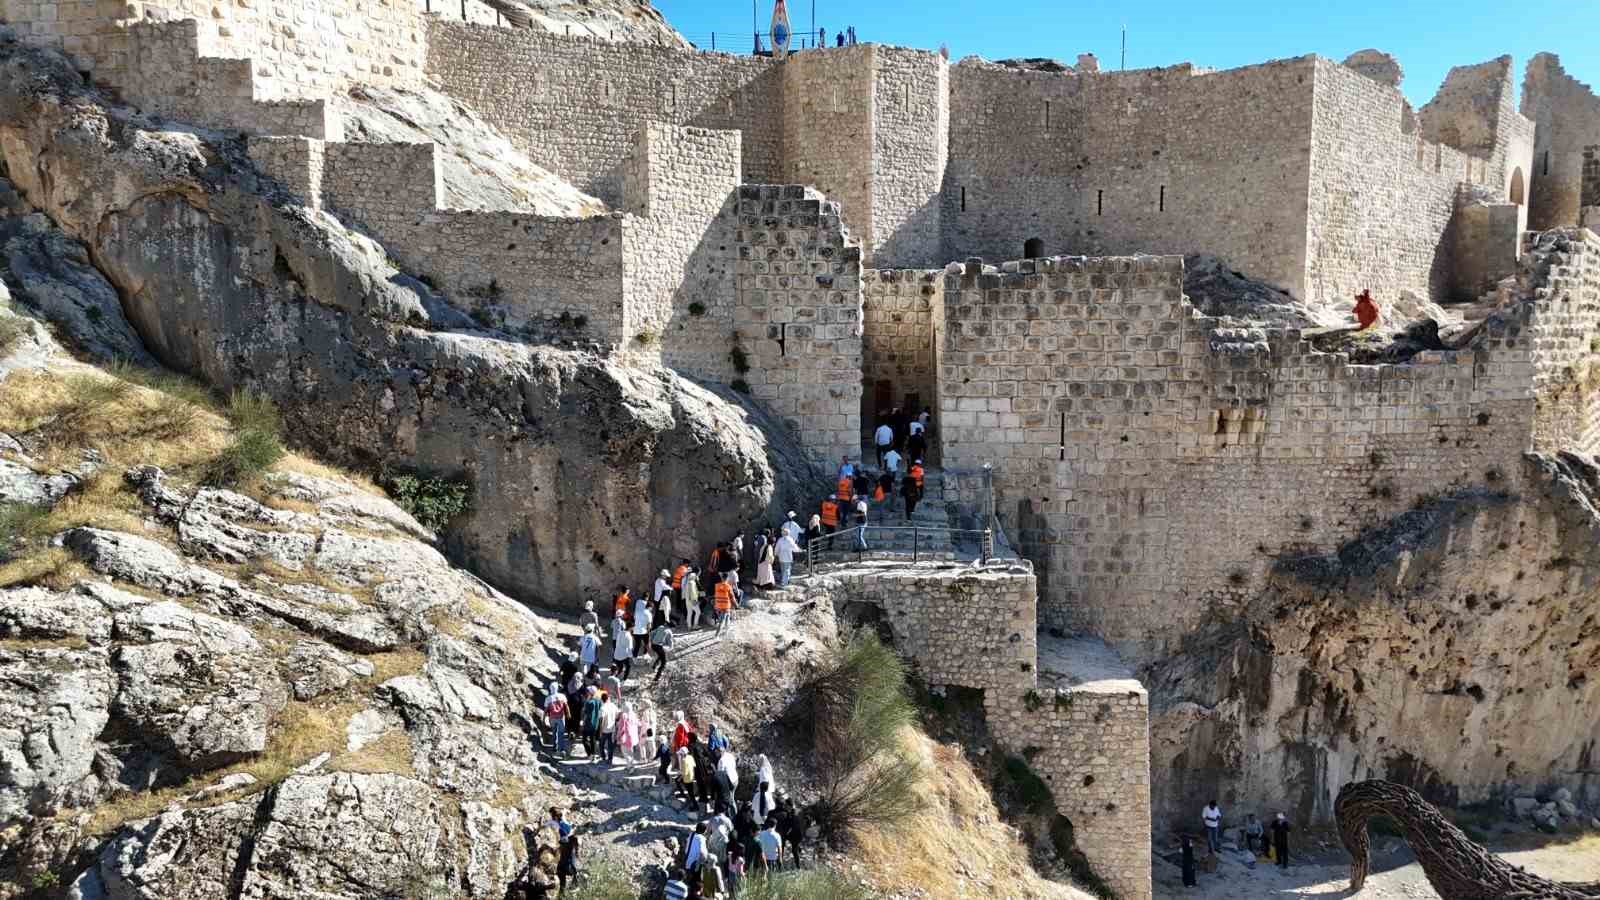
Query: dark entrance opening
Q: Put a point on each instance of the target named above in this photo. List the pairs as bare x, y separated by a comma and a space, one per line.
1032, 248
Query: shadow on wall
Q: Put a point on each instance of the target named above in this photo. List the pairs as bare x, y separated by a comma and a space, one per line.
916, 242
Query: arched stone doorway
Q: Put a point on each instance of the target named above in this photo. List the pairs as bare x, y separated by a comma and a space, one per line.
1518, 192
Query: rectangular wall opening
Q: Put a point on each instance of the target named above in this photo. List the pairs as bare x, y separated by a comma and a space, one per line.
1161, 202
963, 199
1099, 203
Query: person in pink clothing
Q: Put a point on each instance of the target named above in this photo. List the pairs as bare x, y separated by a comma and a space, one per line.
628, 731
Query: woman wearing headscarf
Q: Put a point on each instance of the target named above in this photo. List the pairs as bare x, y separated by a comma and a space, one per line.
591, 720
763, 805
686, 777
622, 655
728, 777
712, 885
765, 774
555, 715
765, 557
647, 732
813, 529
589, 616
717, 740
628, 731
680, 731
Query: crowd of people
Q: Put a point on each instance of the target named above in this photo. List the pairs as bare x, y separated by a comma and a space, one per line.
1271, 842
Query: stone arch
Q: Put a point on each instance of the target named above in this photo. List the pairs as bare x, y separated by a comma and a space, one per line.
1518, 187
1032, 248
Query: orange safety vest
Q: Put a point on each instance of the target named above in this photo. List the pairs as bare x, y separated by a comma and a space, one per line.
830, 513
877, 493
724, 596
677, 576
621, 603
916, 475
846, 488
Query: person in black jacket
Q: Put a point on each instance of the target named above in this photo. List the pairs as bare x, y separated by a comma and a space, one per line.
1280, 840
912, 493
1188, 862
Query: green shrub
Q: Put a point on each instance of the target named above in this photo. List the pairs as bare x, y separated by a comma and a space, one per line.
257, 440
697, 308
434, 501
740, 385
646, 337
856, 708
603, 879
806, 884
19, 524
740, 359
1022, 786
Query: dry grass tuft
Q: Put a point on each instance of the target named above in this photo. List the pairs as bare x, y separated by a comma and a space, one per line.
53, 567
316, 469
958, 821
405, 661
390, 754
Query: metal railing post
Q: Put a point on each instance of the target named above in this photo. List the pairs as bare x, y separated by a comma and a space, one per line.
916, 535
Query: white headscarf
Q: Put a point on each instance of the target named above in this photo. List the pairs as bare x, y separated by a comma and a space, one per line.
764, 773
677, 715
551, 693
729, 766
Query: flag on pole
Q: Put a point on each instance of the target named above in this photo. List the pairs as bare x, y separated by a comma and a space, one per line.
780, 29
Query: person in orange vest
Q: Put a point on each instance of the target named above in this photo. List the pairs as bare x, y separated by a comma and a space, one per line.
918, 473
845, 489
1366, 310
723, 603
830, 515
620, 602
677, 579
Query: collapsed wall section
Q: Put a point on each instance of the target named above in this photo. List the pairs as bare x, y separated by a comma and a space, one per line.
1153, 464
1566, 117
1125, 162
1383, 199
573, 105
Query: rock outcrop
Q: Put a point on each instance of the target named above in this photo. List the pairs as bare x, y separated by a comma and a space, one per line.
330, 708
1421, 652
585, 472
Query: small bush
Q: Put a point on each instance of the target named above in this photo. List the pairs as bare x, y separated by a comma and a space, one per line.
856, 709
697, 308
19, 525
433, 501
808, 884
1022, 786
740, 359
646, 337
603, 879
257, 441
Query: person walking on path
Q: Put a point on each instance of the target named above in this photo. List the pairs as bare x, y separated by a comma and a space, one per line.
891, 462
771, 846
845, 468
861, 523
1212, 817
723, 605
589, 616
567, 861
661, 645
555, 715
712, 884
814, 531
1188, 862
686, 777
1280, 840
791, 526
784, 551
588, 647
765, 557
641, 626
676, 888
691, 600
609, 713
912, 495
622, 655
883, 438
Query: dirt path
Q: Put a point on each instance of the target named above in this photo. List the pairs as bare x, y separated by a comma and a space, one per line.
1396, 875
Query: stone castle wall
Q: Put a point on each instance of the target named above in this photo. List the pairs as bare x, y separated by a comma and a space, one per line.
1128, 162
1382, 199
1564, 329
797, 315
574, 104
828, 104
902, 312
910, 150
1590, 193
1089, 740
1152, 464
1566, 117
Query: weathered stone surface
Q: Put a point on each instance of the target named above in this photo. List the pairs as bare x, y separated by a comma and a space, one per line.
314, 668
54, 702
1377, 65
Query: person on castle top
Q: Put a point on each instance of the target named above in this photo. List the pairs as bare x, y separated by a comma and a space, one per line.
1366, 310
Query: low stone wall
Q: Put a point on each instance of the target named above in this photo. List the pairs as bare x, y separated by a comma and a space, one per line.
1087, 734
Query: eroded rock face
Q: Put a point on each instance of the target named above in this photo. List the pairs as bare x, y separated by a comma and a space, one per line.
1451, 650
586, 472
413, 679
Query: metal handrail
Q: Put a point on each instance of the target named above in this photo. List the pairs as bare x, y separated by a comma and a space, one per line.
829, 544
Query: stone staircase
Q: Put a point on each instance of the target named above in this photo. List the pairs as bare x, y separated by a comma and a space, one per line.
927, 534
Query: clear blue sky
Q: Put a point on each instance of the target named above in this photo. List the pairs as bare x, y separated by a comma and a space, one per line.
1427, 37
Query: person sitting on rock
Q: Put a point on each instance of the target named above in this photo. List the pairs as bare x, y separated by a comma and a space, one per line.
1366, 310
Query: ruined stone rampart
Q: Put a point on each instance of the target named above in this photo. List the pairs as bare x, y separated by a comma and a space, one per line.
1566, 116
1087, 734
1153, 463
574, 104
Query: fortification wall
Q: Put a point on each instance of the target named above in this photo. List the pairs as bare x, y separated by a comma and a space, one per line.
1132, 162
678, 250
574, 104
1088, 739
902, 309
797, 316
1382, 200
1566, 117
828, 105
910, 149
1153, 464
298, 50
1590, 194
1564, 328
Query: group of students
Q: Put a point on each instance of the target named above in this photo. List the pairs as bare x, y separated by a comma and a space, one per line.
734, 837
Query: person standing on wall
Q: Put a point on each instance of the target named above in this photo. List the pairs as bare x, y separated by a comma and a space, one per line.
1212, 817
883, 438
1280, 840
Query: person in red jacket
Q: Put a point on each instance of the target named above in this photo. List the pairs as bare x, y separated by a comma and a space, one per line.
1366, 310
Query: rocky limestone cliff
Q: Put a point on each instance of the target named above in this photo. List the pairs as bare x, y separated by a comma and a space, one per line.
1451, 649
586, 472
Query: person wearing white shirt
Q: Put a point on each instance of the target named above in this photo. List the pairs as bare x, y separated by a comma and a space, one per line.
1212, 817
791, 527
891, 462
785, 550
917, 425
588, 647
662, 585
883, 438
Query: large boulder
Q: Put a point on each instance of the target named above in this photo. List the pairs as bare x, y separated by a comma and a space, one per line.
586, 472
